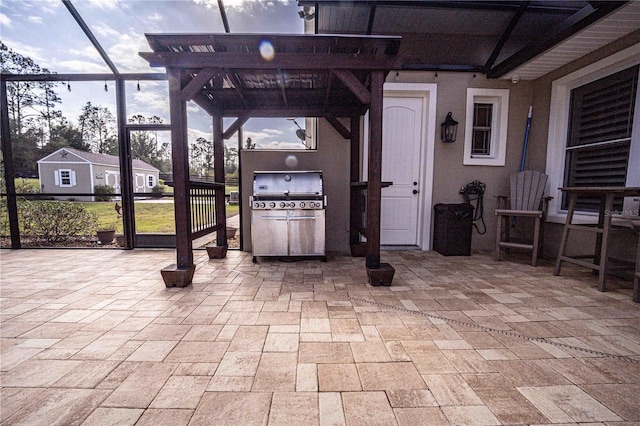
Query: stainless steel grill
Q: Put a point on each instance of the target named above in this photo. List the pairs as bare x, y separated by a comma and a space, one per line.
288, 214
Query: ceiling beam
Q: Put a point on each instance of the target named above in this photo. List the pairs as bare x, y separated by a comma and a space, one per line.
372, 18
83, 77
90, 36
506, 34
223, 15
578, 21
542, 7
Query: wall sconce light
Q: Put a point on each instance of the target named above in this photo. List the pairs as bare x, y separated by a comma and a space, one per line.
448, 129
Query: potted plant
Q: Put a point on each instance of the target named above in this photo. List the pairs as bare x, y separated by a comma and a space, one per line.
106, 233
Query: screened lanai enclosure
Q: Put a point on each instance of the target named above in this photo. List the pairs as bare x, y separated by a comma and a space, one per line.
335, 74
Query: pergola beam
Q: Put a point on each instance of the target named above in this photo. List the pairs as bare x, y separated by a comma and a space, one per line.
356, 87
291, 61
333, 120
198, 82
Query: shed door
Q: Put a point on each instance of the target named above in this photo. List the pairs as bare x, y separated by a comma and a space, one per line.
139, 183
112, 178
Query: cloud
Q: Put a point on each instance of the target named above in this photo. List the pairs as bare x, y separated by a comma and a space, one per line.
27, 50
272, 132
238, 4
105, 30
85, 66
104, 4
5, 20
194, 134
35, 19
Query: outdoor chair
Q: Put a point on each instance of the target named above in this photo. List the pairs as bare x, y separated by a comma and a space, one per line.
526, 200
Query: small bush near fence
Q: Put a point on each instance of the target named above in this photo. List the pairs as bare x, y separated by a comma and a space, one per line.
53, 222
106, 192
159, 189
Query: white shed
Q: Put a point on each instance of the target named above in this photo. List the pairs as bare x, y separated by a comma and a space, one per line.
71, 171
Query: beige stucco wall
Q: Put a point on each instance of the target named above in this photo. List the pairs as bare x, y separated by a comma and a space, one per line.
449, 172
332, 157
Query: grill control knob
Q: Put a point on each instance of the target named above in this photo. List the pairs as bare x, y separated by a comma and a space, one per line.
262, 205
272, 204
283, 204
302, 204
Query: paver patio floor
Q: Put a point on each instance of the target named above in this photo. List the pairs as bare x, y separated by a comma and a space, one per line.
93, 337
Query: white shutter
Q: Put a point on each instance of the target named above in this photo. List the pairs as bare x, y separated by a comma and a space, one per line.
73, 177
56, 177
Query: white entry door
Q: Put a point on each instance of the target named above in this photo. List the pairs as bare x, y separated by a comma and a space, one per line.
408, 145
402, 126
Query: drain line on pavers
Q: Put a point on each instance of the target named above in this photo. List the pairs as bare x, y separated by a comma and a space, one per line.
463, 323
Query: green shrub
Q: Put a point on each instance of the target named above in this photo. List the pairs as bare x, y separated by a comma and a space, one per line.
105, 190
52, 222
158, 189
24, 186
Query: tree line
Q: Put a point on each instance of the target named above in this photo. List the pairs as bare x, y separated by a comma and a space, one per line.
38, 126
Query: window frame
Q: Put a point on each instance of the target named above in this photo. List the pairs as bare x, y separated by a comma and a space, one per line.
61, 179
151, 181
559, 124
499, 99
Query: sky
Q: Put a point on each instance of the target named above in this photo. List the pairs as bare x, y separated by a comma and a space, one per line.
45, 31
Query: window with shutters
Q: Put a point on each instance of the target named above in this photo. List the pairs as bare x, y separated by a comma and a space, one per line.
599, 134
65, 178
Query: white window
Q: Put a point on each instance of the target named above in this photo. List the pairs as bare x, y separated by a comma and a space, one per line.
151, 181
65, 177
581, 154
485, 141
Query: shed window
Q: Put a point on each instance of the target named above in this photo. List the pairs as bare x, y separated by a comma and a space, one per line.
65, 178
599, 134
151, 181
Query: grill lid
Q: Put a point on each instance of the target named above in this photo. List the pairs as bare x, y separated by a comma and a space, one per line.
293, 184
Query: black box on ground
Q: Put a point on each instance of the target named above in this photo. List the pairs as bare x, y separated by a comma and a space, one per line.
452, 228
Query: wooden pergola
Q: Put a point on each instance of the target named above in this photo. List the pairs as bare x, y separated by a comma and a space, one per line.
252, 75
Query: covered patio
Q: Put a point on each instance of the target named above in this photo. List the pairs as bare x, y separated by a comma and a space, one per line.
455, 340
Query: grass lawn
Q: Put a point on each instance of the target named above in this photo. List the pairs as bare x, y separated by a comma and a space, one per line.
151, 217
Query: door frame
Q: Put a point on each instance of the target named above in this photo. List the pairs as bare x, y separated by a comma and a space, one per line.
427, 92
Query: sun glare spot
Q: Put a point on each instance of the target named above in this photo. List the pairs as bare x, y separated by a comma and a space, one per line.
266, 50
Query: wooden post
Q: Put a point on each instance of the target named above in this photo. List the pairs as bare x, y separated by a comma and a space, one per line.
9, 174
374, 186
181, 273
354, 235
218, 171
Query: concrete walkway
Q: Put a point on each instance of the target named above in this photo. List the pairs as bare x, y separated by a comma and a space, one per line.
93, 337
